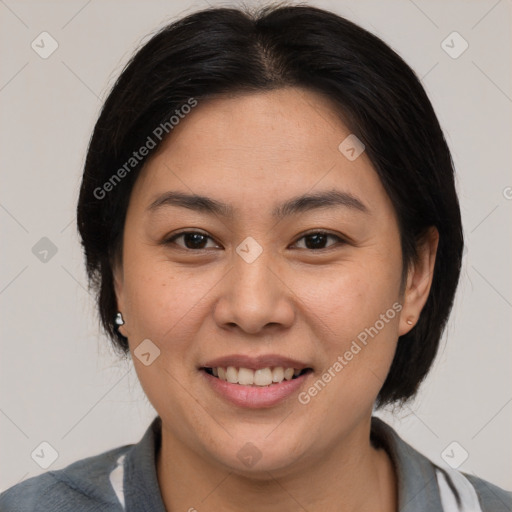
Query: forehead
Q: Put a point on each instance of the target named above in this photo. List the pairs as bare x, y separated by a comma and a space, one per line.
257, 147
272, 125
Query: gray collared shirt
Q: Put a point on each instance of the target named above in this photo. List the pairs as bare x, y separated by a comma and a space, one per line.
88, 485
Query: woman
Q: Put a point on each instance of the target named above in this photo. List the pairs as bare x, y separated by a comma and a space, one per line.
268, 214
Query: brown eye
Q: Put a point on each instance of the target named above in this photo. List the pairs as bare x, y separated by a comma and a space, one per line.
193, 240
318, 240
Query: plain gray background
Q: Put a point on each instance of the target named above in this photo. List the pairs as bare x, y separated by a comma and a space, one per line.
61, 383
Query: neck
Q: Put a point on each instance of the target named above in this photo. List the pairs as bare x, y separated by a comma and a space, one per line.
351, 476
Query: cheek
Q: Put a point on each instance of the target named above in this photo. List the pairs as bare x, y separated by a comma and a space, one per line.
157, 300
164, 301
165, 305
356, 308
353, 294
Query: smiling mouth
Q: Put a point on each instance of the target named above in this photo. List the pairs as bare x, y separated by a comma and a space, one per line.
263, 377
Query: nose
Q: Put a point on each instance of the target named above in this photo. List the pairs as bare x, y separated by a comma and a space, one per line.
254, 298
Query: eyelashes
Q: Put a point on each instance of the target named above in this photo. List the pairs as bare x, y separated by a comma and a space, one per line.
196, 241
319, 237
195, 236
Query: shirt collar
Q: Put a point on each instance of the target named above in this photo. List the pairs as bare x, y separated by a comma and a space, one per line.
417, 484
141, 489
417, 481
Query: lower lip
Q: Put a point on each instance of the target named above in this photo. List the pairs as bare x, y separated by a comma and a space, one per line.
255, 397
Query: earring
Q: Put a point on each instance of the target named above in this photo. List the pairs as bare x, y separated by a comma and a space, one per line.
410, 322
119, 319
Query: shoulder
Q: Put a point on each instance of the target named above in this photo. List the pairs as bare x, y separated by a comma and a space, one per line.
492, 498
425, 486
82, 486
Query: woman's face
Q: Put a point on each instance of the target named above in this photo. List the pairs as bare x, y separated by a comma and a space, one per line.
258, 286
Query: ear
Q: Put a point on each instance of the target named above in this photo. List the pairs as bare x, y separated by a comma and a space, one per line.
419, 281
118, 278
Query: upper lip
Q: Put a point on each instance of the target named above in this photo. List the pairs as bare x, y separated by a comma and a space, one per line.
255, 363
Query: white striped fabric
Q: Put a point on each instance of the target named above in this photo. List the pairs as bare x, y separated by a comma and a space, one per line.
466, 491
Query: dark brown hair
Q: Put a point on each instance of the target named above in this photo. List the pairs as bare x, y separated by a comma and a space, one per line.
224, 51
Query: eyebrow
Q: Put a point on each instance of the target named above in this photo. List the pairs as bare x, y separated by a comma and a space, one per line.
295, 205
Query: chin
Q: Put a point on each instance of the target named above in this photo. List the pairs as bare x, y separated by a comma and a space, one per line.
259, 454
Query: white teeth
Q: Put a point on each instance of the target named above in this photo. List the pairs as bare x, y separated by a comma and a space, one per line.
278, 374
245, 377
260, 377
263, 377
288, 373
231, 374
